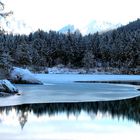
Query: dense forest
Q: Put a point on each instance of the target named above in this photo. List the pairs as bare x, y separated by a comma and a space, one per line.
119, 48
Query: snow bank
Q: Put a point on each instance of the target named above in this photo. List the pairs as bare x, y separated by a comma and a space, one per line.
6, 88
23, 76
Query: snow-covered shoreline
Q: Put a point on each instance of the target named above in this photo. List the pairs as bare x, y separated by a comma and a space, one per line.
7, 88
57, 88
23, 76
17, 75
62, 69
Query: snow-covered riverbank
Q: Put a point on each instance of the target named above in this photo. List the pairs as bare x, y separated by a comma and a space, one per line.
7, 88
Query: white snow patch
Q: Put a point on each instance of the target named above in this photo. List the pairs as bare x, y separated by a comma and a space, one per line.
63, 70
8, 86
19, 74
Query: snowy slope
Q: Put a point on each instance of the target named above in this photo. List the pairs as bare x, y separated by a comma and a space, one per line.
67, 28
98, 26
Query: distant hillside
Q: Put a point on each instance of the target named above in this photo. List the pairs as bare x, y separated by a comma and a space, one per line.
132, 26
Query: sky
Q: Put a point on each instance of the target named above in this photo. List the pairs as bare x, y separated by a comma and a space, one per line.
55, 14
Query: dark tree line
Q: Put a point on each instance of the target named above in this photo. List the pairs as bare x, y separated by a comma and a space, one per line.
118, 48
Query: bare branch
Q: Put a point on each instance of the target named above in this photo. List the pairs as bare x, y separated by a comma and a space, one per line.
6, 14
1, 6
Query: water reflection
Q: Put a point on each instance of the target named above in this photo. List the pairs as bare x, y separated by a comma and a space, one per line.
127, 109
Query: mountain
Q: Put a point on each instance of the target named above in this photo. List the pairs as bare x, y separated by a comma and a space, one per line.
20, 27
92, 27
98, 26
67, 28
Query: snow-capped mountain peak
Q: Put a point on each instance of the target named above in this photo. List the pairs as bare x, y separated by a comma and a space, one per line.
98, 26
67, 28
92, 27
20, 27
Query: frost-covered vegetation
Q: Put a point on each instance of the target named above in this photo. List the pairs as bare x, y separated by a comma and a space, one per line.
119, 49
116, 51
6, 88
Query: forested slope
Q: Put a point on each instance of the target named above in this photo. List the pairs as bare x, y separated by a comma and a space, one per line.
118, 48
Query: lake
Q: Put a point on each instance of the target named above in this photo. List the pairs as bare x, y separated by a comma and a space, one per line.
72, 121
71, 111
70, 92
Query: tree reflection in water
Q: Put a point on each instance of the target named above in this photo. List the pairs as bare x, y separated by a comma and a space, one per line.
129, 109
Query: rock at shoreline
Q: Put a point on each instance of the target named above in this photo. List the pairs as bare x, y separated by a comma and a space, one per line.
23, 76
7, 89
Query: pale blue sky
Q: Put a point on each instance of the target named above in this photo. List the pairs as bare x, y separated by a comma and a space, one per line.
53, 14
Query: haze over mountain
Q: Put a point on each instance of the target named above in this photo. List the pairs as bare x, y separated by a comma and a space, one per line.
11, 25
54, 15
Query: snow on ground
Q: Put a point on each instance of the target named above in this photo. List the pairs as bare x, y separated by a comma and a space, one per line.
62, 78
23, 75
7, 87
63, 70
62, 75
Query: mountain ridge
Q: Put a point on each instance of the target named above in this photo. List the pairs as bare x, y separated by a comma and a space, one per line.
20, 27
92, 27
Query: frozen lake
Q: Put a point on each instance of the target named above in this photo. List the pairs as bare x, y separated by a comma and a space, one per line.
69, 78
70, 92
62, 88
